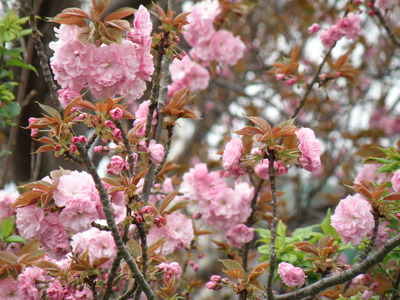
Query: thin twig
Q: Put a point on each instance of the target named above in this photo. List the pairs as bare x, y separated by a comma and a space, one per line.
383, 21
108, 212
128, 148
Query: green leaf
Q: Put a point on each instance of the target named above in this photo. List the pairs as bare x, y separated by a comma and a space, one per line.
134, 248
50, 110
15, 239
281, 230
327, 227
230, 264
5, 152
7, 227
18, 63
10, 110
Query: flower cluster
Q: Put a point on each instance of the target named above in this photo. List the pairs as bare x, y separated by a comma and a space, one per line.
353, 219
106, 70
219, 205
349, 26
207, 43
171, 270
186, 73
77, 204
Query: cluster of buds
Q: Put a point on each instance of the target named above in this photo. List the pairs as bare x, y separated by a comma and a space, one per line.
116, 132
117, 165
216, 282
172, 270
288, 80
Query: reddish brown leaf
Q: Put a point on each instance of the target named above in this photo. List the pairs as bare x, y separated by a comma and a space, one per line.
250, 131
120, 13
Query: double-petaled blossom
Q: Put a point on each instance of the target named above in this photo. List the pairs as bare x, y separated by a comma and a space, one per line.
239, 235
292, 276
178, 233
231, 157
310, 149
353, 219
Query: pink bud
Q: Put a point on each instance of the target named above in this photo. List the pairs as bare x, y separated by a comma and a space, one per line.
117, 134
82, 139
74, 140
57, 147
116, 113
109, 124
98, 149
73, 148
313, 28
280, 77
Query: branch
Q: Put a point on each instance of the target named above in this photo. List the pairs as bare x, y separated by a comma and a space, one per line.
128, 147
108, 212
272, 254
383, 21
358, 268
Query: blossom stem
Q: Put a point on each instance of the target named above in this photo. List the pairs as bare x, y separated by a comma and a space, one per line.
385, 24
111, 276
128, 148
108, 212
274, 224
356, 269
170, 130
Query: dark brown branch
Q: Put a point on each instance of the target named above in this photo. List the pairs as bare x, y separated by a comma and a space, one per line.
358, 268
274, 224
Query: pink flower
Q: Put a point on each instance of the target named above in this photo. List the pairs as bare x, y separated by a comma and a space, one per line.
178, 233
330, 36
170, 270
200, 28
53, 237
98, 244
310, 149
314, 28
396, 181
186, 73
29, 219
239, 235
55, 291
231, 157
84, 294
30, 282
353, 219
66, 96
10, 290
75, 186
262, 169
116, 165
156, 152
78, 215
369, 173
116, 113
34, 131
350, 26
7, 198
141, 117
292, 276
